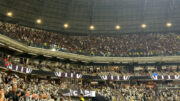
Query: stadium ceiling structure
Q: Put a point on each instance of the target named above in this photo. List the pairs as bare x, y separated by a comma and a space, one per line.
94, 16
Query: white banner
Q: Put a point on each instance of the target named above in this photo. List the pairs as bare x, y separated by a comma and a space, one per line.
86, 93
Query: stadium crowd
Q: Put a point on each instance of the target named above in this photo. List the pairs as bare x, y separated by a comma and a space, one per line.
15, 88
142, 93
59, 66
97, 45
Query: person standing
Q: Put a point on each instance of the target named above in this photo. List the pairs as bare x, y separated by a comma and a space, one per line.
1, 95
14, 94
81, 97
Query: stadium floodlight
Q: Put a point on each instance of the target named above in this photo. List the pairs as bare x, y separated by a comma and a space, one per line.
91, 27
38, 21
143, 25
118, 27
66, 25
168, 24
9, 14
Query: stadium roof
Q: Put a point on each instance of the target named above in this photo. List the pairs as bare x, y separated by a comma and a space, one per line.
103, 15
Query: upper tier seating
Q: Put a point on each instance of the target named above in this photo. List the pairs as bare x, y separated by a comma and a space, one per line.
151, 44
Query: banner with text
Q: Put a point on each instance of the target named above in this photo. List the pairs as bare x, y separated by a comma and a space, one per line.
86, 93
